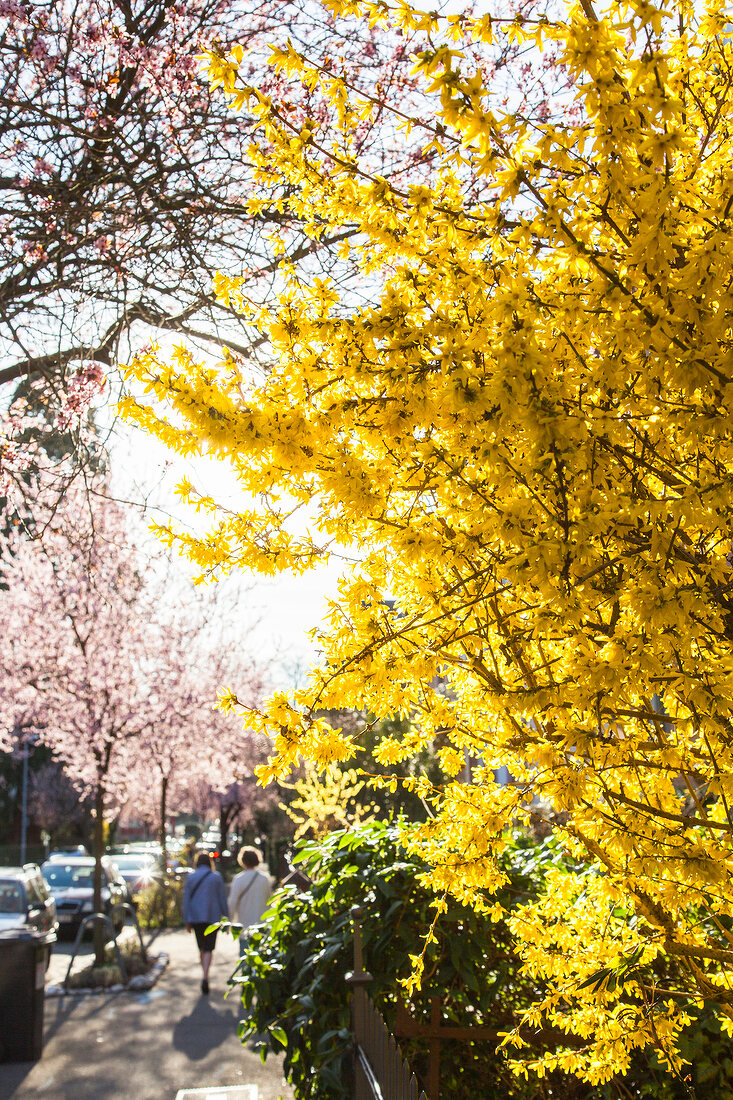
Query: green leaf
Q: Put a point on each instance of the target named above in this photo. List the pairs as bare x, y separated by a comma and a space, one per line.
278, 1034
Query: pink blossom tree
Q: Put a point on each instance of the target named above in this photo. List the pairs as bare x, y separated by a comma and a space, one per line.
243, 802
47, 438
196, 776
125, 182
191, 745
93, 665
124, 186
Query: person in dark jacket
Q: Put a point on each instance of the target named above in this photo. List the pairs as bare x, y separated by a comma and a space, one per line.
204, 903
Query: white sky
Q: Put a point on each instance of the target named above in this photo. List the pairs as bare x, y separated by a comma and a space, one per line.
278, 611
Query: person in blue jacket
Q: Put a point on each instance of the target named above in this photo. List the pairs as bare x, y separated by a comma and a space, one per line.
204, 903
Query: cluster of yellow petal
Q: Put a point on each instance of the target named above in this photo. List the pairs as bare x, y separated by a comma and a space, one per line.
525, 439
332, 799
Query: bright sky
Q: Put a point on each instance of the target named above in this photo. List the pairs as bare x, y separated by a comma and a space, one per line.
279, 611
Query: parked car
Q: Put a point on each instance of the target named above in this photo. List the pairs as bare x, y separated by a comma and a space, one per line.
25, 901
71, 882
139, 869
70, 850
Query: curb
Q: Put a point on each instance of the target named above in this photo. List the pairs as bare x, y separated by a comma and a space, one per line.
139, 984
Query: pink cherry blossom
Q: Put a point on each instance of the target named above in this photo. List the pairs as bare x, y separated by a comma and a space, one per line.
97, 665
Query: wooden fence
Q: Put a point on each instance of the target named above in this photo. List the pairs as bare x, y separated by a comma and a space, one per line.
378, 1057
380, 1071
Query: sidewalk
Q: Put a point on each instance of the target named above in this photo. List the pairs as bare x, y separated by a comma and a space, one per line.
146, 1046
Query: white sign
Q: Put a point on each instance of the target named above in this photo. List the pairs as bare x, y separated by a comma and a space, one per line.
220, 1092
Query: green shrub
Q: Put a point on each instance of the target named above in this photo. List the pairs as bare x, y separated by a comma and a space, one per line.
161, 905
291, 977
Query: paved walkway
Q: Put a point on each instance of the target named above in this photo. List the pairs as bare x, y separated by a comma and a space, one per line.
145, 1046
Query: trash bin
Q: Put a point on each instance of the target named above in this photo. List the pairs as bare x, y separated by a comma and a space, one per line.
24, 958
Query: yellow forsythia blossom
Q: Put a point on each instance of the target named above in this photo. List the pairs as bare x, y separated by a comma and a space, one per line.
525, 440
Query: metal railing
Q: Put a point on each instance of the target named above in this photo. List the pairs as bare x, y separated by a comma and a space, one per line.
108, 921
380, 1071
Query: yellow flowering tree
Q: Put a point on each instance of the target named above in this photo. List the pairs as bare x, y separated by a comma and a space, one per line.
525, 440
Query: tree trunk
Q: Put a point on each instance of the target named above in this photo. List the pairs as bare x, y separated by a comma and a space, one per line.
223, 828
163, 815
226, 816
99, 930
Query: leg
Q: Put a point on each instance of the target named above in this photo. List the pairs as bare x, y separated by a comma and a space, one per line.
206, 951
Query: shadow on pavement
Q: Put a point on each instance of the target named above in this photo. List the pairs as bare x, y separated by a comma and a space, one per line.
203, 1029
12, 1075
60, 1010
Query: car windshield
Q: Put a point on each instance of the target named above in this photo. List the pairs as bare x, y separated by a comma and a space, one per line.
134, 863
68, 874
11, 897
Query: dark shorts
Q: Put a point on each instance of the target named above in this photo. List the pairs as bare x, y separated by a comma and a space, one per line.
204, 942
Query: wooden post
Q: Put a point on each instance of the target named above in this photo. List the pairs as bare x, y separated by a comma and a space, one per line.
358, 979
358, 976
434, 1063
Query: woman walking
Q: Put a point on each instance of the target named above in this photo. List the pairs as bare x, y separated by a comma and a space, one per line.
204, 903
249, 892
